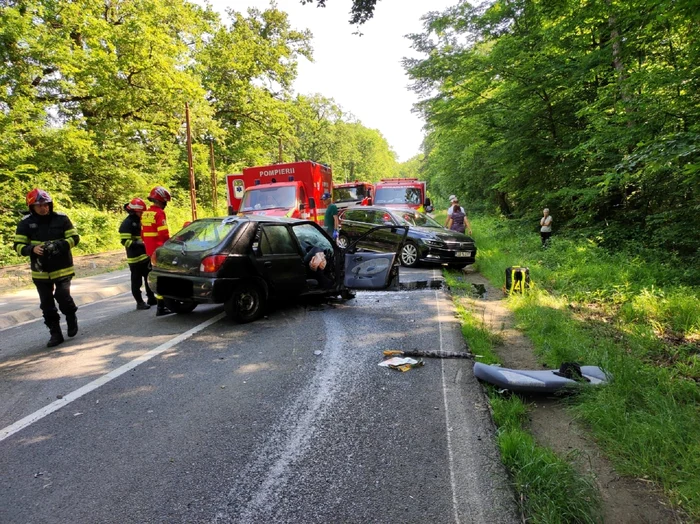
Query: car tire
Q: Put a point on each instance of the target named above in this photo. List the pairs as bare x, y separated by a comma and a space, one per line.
343, 241
181, 307
246, 303
458, 266
347, 294
409, 255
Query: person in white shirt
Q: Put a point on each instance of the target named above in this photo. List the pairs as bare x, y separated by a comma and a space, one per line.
546, 227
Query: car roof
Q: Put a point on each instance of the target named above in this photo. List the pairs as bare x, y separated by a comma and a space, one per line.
256, 218
380, 208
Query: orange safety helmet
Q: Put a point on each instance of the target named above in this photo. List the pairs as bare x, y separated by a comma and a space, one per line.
38, 196
160, 194
137, 205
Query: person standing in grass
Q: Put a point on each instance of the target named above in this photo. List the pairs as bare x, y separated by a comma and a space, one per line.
545, 227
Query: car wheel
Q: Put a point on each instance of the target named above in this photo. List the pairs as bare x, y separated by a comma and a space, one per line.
181, 307
458, 266
409, 255
343, 241
245, 304
347, 294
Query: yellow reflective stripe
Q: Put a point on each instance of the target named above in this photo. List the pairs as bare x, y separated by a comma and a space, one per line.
22, 238
62, 272
125, 235
128, 242
150, 235
139, 258
37, 242
43, 275
163, 227
19, 248
71, 233
71, 242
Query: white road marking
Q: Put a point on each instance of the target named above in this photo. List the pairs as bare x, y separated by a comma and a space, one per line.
87, 388
79, 307
450, 453
114, 278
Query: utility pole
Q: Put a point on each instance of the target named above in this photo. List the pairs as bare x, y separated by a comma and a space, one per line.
193, 190
213, 177
279, 150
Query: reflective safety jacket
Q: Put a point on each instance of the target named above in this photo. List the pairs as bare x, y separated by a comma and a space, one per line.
57, 262
154, 228
130, 237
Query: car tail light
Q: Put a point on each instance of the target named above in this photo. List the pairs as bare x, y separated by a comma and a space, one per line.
212, 263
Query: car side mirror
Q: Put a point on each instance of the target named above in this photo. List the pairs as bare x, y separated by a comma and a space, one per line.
231, 211
312, 203
302, 207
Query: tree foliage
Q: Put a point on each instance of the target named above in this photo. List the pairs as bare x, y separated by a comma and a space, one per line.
590, 109
93, 96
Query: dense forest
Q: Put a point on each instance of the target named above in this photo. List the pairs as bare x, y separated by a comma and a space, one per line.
589, 108
92, 106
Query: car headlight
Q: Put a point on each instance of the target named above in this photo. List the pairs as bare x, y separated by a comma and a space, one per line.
432, 243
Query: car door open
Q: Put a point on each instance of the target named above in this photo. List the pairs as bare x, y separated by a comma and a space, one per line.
371, 269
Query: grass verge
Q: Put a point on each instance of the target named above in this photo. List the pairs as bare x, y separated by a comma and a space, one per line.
635, 315
549, 489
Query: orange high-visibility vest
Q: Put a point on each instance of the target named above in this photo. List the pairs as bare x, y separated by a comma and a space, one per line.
154, 229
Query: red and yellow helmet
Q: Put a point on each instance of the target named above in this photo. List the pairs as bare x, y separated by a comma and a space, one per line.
159, 194
136, 205
38, 196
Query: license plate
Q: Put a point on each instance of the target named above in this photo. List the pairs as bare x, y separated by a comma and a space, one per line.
463, 253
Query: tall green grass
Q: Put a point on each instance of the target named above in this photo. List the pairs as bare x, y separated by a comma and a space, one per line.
549, 488
637, 316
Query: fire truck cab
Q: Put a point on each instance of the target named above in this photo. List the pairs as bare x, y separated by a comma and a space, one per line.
289, 190
352, 194
402, 192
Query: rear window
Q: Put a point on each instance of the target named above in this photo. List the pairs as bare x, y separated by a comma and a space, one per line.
201, 235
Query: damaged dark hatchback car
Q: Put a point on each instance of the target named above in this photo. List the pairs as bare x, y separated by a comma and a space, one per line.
245, 261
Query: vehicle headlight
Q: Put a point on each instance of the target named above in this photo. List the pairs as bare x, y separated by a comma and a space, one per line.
432, 243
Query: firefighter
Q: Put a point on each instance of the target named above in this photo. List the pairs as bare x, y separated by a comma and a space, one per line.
154, 231
47, 238
136, 257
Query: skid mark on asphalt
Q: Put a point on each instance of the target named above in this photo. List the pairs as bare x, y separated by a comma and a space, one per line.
291, 437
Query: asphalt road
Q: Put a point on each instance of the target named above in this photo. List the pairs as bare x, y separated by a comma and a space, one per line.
288, 419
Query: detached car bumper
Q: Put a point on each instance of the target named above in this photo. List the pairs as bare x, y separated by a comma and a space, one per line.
189, 288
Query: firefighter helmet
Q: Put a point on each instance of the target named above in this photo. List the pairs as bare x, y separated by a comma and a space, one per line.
38, 196
160, 194
136, 205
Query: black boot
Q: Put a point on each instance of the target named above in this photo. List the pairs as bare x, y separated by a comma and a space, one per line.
56, 335
72, 321
152, 301
161, 309
142, 305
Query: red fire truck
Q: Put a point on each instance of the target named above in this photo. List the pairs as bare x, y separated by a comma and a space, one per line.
401, 192
291, 190
352, 194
